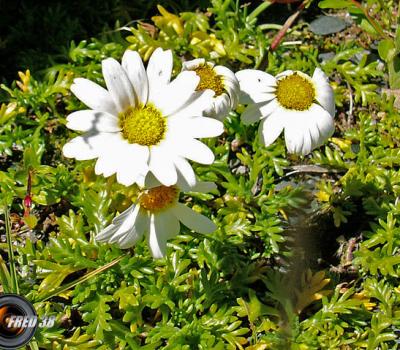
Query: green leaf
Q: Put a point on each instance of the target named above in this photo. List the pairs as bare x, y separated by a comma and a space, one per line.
386, 49
126, 296
335, 4
55, 274
368, 27
254, 309
96, 314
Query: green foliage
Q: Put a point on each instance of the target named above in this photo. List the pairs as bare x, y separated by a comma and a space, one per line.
306, 254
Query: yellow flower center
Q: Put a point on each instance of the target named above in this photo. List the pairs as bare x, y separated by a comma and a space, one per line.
143, 125
158, 198
209, 80
295, 92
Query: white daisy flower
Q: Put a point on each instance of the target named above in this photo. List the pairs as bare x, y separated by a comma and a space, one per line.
142, 122
219, 79
157, 215
292, 101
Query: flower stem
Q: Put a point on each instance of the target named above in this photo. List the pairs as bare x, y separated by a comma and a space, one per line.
13, 272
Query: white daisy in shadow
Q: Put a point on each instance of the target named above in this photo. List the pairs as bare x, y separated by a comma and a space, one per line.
142, 122
219, 79
302, 106
157, 215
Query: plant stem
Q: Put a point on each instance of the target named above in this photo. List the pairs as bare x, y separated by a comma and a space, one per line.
33, 345
260, 8
374, 23
278, 38
270, 26
13, 272
84, 278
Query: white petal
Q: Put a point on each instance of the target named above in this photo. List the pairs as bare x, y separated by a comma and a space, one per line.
233, 91
293, 139
256, 97
162, 166
311, 124
196, 105
307, 141
118, 220
197, 151
300, 133
141, 224
193, 64
176, 94
226, 74
141, 179
106, 234
120, 226
185, 171
134, 68
110, 157
192, 219
118, 84
255, 86
94, 96
323, 120
159, 70
324, 92
125, 225
256, 111
315, 135
128, 174
134, 163
287, 73
231, 84
92, 120
221, 107
87, 146
252, 113
271, 127
105, 165
163, 226
128, 160
201, 127
197, 127
205, 127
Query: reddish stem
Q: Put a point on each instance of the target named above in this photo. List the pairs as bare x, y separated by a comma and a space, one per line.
28, 197
278, 38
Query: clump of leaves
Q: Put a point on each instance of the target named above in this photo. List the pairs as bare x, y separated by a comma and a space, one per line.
254, 283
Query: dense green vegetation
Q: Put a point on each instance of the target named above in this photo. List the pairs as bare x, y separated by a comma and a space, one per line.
306, 255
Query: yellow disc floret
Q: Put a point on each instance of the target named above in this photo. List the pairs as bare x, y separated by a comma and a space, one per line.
158, 198
209, 79
143, 125
295, 92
